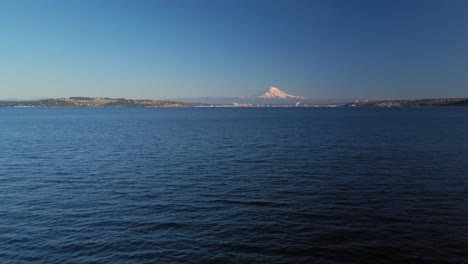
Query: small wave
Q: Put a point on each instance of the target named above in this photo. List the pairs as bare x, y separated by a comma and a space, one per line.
250, 203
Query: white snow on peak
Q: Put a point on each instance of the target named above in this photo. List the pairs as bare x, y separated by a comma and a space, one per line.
275, 93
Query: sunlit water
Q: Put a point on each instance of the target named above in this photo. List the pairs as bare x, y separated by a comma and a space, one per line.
132, 185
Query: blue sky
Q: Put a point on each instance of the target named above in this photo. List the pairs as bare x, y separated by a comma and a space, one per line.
168, 49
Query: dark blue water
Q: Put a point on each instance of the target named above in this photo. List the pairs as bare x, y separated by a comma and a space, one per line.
130, 185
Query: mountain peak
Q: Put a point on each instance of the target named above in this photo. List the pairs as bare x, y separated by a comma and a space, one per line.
276, 93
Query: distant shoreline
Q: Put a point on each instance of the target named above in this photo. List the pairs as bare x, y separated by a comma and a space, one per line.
82, 102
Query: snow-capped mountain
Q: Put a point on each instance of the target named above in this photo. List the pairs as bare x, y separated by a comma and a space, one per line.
275, 93
274, 96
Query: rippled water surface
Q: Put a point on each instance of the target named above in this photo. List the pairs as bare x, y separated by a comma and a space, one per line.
130, 185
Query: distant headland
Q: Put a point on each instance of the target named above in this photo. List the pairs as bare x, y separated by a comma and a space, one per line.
410, 102
94, 102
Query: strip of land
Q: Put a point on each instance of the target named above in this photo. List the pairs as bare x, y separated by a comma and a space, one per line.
122, 102
93, 102
411, 102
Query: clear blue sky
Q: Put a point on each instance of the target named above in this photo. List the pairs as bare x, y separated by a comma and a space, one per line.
175, 48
